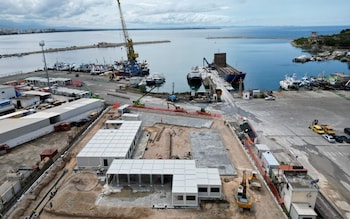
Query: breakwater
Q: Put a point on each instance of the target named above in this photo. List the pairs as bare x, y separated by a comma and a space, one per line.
98, 45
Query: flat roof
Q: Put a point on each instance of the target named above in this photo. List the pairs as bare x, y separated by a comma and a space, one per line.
112, 142
262, 147
301, 182
304, 209
9, 124
186, 176
271, 160
38, 93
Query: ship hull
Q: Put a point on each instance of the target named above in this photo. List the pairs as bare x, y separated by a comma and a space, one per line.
194, 82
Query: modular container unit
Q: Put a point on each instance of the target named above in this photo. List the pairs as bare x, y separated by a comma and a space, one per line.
261, 148
7, 92
302, 211
8, 190
269, 162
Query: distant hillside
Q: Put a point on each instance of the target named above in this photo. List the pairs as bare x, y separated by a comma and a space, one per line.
317, 43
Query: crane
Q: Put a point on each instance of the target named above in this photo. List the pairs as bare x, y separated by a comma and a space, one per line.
131, 54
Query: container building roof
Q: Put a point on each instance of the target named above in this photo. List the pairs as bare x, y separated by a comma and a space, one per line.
112, 142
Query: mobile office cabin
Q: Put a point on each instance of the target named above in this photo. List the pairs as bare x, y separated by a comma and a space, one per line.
124, 109
269, 162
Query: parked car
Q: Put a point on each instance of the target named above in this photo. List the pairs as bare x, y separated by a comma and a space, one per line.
318, 129
329, 138
340, 138
270, 97
347, 131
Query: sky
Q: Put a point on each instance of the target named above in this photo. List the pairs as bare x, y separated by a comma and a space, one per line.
176, 13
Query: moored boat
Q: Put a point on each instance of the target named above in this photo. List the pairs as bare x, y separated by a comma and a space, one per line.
194, 78
155, 79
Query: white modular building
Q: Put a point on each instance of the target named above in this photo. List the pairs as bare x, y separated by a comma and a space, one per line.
7, 92
261, 148
269, 162
302, 211
297, 192
16, 131
189, 184
117, 142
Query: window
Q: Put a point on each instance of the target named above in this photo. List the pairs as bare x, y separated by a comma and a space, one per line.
201, 189
214, 190
191, 197
105, 162
180, 198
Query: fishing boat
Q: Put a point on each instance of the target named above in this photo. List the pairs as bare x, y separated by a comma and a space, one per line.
194, 78
155, 79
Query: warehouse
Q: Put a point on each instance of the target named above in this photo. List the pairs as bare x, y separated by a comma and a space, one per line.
189, 183
119, 142
15, 131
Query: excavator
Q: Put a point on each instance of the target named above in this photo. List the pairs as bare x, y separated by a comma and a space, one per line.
137, 101
243, 200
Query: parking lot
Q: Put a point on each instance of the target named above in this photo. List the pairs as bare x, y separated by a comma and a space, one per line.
283, 125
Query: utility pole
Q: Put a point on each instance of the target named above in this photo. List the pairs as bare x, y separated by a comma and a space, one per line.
42, 44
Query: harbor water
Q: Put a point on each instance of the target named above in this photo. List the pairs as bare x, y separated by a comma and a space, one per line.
264, 53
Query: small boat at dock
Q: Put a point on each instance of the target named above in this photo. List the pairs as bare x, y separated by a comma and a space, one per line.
194, 78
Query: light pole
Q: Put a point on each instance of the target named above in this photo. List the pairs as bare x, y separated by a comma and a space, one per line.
42, 44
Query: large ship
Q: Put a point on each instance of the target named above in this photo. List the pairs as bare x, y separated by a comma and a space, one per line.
231, 75
194, 78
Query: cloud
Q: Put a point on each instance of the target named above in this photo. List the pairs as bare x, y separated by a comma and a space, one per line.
151, 13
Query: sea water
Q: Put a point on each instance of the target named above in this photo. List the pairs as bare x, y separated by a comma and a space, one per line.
264, 53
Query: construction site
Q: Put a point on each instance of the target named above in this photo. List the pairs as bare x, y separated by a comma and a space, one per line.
98, 148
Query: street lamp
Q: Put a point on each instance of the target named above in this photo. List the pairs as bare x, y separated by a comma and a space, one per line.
42, 44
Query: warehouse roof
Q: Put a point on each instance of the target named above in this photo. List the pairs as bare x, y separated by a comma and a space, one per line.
112, 142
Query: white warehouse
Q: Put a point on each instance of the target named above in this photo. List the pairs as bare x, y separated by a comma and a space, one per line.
16, 131
110, 144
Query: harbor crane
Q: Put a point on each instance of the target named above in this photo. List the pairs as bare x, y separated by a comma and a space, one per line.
129, 45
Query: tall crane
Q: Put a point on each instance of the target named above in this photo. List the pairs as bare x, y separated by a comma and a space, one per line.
131, 54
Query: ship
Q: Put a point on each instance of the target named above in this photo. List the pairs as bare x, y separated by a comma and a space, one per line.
194, 78
231, 75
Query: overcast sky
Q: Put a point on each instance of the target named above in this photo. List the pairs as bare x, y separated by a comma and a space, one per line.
177, 13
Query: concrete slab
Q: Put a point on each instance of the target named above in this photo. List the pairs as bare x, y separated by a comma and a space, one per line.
209, 151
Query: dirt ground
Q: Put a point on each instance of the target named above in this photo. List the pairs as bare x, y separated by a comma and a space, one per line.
77, 192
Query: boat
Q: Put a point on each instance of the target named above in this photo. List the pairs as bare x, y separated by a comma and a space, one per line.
231, 75
155, 79
293, 83
194, 78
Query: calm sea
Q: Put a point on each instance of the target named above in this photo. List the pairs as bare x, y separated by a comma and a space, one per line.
266, 61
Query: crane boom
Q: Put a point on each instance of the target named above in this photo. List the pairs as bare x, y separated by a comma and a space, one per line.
129, 45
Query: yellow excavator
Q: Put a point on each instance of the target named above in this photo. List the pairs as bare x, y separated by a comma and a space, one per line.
244, 202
